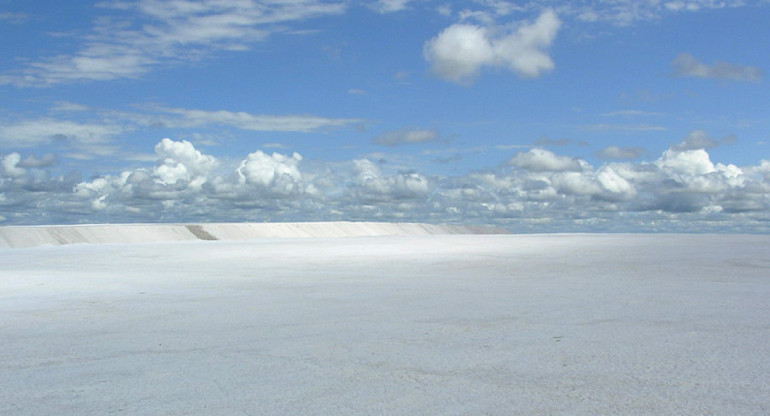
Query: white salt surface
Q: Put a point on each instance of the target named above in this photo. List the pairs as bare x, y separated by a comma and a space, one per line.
397, 325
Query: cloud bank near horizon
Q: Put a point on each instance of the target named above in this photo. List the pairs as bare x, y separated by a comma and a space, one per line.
536, 189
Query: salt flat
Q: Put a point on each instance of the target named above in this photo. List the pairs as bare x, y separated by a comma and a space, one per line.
399, 325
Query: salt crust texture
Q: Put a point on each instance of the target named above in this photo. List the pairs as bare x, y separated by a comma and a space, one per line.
397, 325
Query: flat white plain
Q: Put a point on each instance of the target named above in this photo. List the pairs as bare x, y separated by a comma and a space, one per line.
399, 325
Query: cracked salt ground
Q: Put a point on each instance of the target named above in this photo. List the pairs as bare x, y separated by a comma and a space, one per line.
404, 325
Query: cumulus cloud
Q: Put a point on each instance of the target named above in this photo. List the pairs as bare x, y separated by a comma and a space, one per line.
406, 136
537, 190
611, 181
686, 65
679, 182
373, 186
186, 180
277, 173
461, 51
686, 163
180, 161
10, 165
178, 175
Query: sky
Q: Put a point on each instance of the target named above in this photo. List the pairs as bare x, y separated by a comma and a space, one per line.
537, 116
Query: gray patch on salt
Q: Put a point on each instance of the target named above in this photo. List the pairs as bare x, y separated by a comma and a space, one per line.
200, 233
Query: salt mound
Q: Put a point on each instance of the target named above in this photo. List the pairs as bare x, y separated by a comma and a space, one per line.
31, 236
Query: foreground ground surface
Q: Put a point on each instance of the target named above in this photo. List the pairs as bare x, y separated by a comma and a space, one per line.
406, 325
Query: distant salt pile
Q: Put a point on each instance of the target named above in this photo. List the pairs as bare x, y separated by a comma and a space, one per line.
31, 236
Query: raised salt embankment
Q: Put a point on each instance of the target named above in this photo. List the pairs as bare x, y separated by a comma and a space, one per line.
31, 236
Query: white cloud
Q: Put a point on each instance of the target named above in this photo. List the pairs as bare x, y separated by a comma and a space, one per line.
612, 182
574, 183
254, 122
374, 186
155, 33
69, 107
10, 165
179, 174
180, 161
686, 65
277, 173
406, 136
460, 52
524, 52
541, 160
30, 133
699, 183
688, 163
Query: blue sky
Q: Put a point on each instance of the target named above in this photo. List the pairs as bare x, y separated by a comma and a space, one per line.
538, 116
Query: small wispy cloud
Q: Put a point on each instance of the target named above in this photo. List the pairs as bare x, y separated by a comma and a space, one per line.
631, 113
625, 127
406, 136
254, 122
698, 139
620, 13
153, 33
626, 13
86, 132
15, 18
390, 6
275, 146
686, 65
34, 132
615, 152
547, 141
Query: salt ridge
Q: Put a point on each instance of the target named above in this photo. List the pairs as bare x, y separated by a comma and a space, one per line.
32, 236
